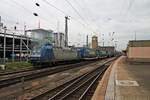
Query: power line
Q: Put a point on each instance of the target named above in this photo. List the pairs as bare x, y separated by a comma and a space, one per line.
8, 21
79, 15
80, 6
22, 6
54, 7
89, 11
87, 8
60, 10
130, 4
75, 10
29, 11
45, 10
51, 5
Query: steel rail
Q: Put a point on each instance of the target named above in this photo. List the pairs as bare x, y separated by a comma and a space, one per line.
78, 87
52, 94
10, 80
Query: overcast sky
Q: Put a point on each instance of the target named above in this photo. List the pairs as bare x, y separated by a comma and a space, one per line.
89, 17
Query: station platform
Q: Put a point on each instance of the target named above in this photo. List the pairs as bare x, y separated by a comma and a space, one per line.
124, 81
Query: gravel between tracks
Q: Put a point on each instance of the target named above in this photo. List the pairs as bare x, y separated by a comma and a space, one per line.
32, 88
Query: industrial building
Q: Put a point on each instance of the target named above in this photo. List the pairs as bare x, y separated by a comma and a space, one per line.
106, 48
138, 51
39, 37
42, 36
59, 39
19, 47
13, 45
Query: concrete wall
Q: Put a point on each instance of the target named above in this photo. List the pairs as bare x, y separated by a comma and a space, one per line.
139, 52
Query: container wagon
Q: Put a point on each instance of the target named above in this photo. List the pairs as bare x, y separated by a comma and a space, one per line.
87, 53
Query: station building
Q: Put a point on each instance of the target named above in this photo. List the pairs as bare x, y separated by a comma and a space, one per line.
138, 51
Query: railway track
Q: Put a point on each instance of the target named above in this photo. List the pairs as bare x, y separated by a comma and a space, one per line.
80, 88
4, 73
29, 75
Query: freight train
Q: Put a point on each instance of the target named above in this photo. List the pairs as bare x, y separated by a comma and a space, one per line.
48, 54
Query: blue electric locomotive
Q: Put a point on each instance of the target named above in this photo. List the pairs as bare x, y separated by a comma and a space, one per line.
49, 55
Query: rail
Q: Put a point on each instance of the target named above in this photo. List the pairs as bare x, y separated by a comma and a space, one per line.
64, 91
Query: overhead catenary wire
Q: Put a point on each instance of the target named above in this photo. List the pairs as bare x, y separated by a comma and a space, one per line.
45, 12
79, 14
75, 10
64, 13
15, 22
21, 7
55, 7
130, 4
82, 8
87, 8
46, 1
29, 11
92, 17
6, 16
86, 24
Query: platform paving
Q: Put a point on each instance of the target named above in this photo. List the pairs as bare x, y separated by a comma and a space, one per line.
126, 82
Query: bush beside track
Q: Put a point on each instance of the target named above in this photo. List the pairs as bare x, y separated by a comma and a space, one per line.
18, 65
